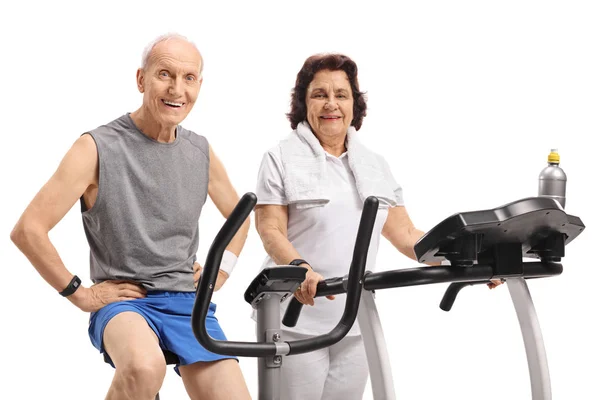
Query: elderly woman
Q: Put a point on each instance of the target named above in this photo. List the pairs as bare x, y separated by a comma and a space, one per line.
310, 190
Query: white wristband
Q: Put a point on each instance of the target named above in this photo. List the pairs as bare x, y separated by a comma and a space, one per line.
228, 262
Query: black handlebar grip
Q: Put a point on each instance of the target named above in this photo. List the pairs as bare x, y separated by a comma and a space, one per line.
324, 288
292, 313
452, 292
450, 295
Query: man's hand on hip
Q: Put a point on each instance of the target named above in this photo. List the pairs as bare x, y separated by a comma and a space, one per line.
221, 277
94, 298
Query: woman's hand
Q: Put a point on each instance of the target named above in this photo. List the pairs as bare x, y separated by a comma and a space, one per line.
308, 288
493, 283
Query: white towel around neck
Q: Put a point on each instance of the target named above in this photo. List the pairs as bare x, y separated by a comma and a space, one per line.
303, 160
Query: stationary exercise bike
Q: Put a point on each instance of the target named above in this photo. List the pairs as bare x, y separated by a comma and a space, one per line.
270, 287
479, 245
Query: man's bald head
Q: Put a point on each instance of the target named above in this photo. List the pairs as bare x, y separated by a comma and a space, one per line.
162, 40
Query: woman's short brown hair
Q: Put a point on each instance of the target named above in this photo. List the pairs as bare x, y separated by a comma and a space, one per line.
333, 62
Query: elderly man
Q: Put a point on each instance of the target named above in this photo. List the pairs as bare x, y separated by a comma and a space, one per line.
142, 180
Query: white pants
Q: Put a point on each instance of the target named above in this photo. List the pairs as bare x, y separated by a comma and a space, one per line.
337, 372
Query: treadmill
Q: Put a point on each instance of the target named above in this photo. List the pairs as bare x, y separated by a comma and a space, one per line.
521, 240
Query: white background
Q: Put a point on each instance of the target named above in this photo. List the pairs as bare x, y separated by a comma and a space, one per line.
466, 98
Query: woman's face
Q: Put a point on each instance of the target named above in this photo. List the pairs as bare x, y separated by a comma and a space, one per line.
329, 104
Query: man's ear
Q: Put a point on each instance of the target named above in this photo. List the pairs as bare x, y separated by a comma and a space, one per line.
139, 77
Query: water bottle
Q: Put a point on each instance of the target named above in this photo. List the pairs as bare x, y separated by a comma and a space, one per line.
553, 180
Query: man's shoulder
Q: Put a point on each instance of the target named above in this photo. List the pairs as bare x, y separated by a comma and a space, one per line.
185, 132
195, 139
111, 128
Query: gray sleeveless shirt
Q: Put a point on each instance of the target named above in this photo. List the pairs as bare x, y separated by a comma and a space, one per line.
144, 223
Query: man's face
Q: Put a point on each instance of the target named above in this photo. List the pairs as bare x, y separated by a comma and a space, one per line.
171, 81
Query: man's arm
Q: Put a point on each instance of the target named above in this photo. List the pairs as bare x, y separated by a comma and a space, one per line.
77, 171
223, 194
225, 198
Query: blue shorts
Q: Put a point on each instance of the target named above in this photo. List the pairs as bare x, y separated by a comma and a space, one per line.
169, 315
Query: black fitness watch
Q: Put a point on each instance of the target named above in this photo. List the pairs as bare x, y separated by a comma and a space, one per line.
71, 287
299, 261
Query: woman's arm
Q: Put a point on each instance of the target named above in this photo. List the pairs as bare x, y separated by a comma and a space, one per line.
401, 232
271, 224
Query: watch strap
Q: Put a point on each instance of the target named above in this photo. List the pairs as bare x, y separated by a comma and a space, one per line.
298, 261
71, 287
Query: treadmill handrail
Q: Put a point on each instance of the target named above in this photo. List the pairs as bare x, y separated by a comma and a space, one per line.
263, 349
421, 276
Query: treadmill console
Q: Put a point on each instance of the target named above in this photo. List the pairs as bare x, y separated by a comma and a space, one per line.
534, 227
